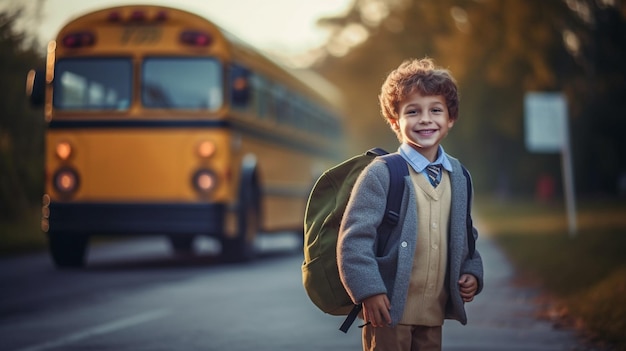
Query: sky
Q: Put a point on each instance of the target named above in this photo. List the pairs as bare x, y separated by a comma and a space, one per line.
286, 26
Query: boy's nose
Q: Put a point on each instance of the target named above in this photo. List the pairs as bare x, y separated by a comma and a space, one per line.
425, 118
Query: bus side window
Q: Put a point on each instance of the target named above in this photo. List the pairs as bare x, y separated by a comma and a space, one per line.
280, 104
240, 89
298, 113
283, 106
258, 100
272, 107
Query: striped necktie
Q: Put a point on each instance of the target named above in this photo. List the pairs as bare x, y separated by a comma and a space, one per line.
434, 174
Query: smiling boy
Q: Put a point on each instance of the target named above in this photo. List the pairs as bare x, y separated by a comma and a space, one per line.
426, 272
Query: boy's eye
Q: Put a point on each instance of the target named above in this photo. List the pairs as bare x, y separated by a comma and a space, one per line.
437, 110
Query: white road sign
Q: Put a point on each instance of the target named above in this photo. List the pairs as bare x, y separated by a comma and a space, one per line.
545, 121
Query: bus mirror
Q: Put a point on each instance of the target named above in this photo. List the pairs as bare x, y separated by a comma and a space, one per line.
240, 85
36, 87
241, 91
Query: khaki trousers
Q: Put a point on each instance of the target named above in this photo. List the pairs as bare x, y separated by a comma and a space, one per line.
402, 338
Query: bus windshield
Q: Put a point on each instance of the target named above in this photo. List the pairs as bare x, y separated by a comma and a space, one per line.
166, 82
182, 83
93, 84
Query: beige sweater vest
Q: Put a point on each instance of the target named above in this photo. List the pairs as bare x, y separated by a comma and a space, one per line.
427, 296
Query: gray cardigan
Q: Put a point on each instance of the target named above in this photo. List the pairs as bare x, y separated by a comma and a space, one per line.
364, 274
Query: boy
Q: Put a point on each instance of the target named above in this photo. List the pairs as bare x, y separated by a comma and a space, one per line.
425, 274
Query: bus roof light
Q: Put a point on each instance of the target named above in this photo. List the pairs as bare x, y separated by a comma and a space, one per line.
114, 16
195, 38
138, 16
79, 40
161, 16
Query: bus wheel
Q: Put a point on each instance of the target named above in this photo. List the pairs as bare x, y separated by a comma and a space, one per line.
182, 245
242, 247
68, 250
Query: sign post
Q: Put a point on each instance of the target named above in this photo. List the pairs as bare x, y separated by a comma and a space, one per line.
547, 131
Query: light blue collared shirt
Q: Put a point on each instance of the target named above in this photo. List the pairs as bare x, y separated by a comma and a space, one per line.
419, 163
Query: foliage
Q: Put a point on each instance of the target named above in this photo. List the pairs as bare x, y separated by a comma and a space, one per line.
498, 50
603, 308
21, 128
603, 249
22, 235
582, 275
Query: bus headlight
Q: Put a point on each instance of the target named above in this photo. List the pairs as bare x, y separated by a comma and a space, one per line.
63, 150
66, 180
204, 181
206, 149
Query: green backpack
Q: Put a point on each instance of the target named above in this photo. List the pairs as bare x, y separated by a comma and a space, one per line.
322, 219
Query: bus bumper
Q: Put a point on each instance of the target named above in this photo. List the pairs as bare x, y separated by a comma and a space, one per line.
122, 219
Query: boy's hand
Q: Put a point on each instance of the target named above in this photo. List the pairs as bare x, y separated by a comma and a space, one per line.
468, 286
376, 310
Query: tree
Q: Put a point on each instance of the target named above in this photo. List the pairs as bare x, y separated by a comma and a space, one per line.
598, 34
498, 50
21, 128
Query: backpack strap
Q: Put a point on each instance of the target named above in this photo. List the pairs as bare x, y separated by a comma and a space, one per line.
471, 243
397, 171
350, 318
376, 151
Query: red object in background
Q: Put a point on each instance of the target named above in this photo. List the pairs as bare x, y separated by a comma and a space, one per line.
544, 190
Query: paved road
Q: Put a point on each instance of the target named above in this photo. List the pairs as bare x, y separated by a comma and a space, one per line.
135, 296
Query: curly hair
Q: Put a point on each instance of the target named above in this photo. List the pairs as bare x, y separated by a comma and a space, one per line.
417, 75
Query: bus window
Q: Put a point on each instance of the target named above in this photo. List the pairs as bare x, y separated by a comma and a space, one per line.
278, 101
182, 83
93, 84
260, 94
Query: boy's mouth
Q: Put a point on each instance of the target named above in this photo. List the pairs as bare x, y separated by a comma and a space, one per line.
427, 132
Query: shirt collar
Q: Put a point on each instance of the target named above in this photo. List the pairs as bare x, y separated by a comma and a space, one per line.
418, 162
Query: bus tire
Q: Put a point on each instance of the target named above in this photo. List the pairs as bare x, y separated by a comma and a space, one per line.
182, 244
242, 247
68, 251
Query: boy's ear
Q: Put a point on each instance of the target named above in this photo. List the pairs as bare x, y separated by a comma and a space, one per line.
394, 124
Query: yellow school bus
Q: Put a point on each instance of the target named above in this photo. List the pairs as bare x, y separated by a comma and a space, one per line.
159, 122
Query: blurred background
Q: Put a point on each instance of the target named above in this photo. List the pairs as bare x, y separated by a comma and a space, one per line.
498, 50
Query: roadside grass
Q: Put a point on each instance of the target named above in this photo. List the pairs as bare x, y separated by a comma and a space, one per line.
22, 235
582, 276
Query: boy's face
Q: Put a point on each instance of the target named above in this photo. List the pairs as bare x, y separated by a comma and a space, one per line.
424, 121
